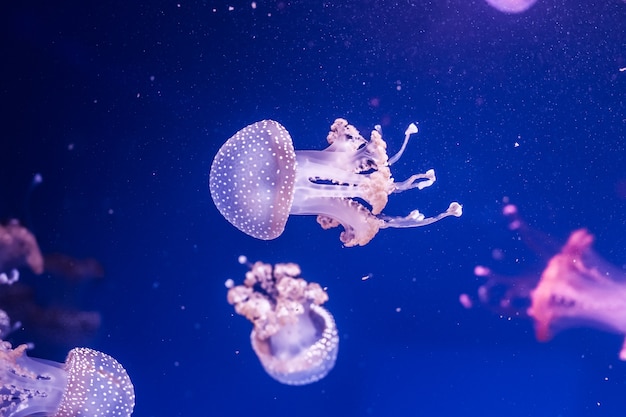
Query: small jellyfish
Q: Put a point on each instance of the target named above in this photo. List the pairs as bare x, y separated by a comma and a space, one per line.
89, 383
295, 339
257, 180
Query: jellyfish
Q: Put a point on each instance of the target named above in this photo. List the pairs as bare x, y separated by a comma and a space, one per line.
257, 180
89, 383
511, 6
295, 338
579, 289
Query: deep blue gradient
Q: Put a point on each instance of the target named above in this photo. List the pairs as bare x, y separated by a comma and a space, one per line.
122, 105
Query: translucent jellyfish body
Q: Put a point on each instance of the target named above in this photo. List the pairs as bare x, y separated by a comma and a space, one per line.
257, 180
579, 289
89, 383
295, 339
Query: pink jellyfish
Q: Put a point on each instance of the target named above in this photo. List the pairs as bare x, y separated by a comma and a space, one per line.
257, 180
578, 288
295, 338
89, 383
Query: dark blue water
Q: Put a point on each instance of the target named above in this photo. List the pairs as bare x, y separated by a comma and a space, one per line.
121, 107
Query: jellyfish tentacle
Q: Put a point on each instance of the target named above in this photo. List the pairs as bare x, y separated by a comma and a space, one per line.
412, 129
417, 219
11, 278
414, 181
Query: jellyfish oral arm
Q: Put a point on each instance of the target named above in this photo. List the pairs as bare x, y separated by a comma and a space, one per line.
417, 219
414, 181
11, 278
333, 182
407, 134
29, 386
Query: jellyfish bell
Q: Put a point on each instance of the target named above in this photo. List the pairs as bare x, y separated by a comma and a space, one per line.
511, 6
295, 339
257, 180
252, 179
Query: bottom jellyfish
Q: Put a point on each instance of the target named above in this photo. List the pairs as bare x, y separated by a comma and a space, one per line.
295, 339
89, 383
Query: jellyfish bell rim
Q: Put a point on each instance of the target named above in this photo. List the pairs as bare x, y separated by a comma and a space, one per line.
310, 365
283, 154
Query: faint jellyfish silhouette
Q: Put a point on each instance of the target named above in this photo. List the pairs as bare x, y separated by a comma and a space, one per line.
504, 295
511, 6
89, 383
510, 295
18, 248
5, 324
257, 180
577, 288
5, 321
295, 339
58, 324
73, 269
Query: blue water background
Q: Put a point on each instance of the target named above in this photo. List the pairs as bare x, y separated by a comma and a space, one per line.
121, 107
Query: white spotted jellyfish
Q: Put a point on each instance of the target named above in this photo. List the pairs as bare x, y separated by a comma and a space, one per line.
294, 337
257, 180
89, 383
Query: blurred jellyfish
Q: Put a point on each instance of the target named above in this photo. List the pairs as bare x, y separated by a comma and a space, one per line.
5, 324
89, 383
577, 288
61, 325
18, 248
295, 339
258, 180
73, 269
511, 6
65, 326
